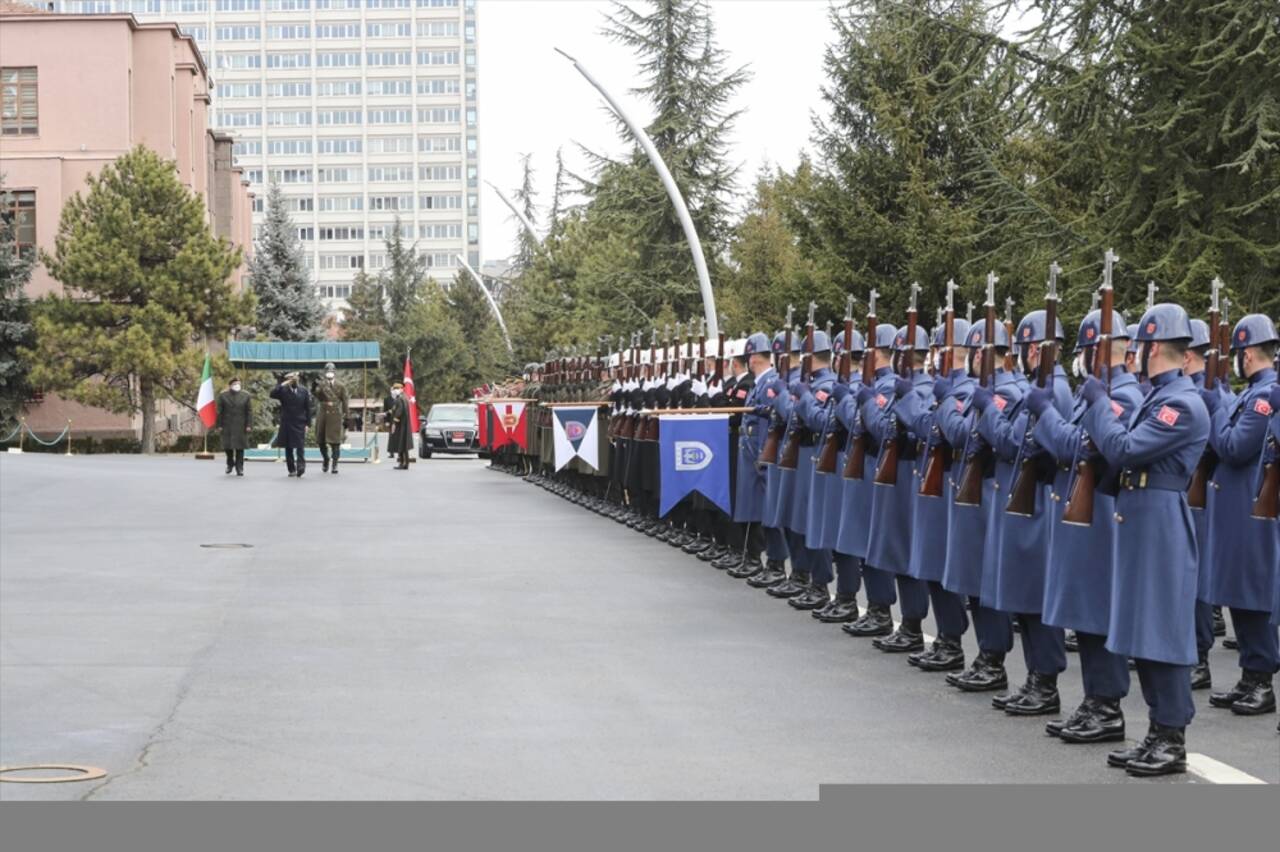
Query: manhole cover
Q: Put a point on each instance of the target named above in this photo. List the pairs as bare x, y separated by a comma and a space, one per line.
227, 545
82, 773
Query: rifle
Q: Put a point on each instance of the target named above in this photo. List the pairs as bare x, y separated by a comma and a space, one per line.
887, 472
1224, 342
777, 429
1022, 497
628, 428
718, 376
1267, 505
791, 453
940, 453
835, 434
702, 349
855, 463
1198, 490
969, 492
1079, 508
1008, 328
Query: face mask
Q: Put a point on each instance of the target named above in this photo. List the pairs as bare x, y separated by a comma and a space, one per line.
1077, 366
395, 394
1144, 359
235, 386
329, 376
1237, 365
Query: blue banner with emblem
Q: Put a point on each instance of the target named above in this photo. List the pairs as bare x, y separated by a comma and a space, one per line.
694, 451
575, 435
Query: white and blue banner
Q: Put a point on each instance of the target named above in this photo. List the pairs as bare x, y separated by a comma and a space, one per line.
694, 450
576, 435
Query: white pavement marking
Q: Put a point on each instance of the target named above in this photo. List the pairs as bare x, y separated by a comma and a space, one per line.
1217, 772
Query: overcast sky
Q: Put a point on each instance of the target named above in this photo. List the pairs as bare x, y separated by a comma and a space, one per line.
531, 100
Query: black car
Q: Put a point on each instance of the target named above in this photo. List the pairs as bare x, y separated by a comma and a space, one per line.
449, 428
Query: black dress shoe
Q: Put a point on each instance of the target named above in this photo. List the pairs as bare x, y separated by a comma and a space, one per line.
230, 468
1219, 623
842, 609
1103, 723
1258, 699
1039, 698
1228, 697
698, 545
775, 572
711, 554
324, 468
1231, 644
901, 641
1002, 700
811, 598
731, 559
1072, 642
239, 471
876, 621
986, 674
794, 585
1201, 678
1165, 753
946, 655
1054, 726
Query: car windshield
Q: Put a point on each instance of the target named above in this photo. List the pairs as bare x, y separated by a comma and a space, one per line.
461, 414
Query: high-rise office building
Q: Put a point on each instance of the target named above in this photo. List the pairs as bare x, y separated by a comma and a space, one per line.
362, 110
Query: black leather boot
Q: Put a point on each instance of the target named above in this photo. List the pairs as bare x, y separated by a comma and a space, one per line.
876, 621
730, 559
946, 655
1120, 757
712, 553
774, 573
1072, 642
1228, 697
794, 585
746, 568
1039, 698
1078, 716
1165, 753
1103, 723
842, 609
1219, 623
1259, 698
1002, 700
698, 545
904, 640
336, 451
811, 598
984, 675
1201, 678
1231, 643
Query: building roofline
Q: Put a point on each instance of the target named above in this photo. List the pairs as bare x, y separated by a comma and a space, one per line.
8, 15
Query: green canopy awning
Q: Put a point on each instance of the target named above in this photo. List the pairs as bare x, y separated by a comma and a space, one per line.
279, 355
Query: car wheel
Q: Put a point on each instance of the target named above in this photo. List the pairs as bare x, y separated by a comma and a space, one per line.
425, 454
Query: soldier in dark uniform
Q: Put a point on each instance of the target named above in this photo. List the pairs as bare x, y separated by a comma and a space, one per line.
399, 442
235, 415
331, 417
750, 489
297, 408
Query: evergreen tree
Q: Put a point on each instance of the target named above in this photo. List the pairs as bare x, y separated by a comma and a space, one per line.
526, 243
404, 277
145, 281
15, 320
487, 359
288, 305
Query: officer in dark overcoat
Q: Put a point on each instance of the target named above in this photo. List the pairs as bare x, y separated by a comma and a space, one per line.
234, 417
297, 408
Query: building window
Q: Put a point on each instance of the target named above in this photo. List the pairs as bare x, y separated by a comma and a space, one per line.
437, 143
390, 116
19, 106
237, 5
289, 118
300, 59
338, 59
438, 4
338, 29
473, 233
338, 88
287, 89
439, 173
437, 29
440, 231
439, 202
338, 116
240, 119
238, 32
390, 144
341, 203
438, 86
439, 115
389, 29
240, 90
386, 58
390, 174
18, 209
247, 148
306, 234
238, 61
437, 57
288, 5
287, 147
289, 31
471, 90
391, 202
339, 145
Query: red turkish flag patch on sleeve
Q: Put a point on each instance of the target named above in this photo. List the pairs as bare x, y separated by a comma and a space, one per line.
881, 402
1116, 409
1001, 402
821, 396
771, 393
1166, 415
959, 405
1262, 407
742, 393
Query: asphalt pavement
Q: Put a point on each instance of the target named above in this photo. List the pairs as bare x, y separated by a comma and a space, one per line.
452, 632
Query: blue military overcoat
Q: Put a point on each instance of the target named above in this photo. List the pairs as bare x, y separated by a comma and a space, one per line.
966, 525
1153, 587
855, 495
748, 500
779, 482
889, 535
1009, 391
808, 412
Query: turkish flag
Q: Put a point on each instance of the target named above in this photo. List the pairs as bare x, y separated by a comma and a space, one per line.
410, 394
498, 436
482, 424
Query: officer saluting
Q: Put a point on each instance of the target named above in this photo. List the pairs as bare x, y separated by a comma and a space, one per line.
331, 419
1153, 589
296, 410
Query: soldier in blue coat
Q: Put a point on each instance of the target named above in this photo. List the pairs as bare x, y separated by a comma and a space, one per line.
775, 399
1244, 559
1024, 542
748, 504
931, 519
1193, 367
889, 545
971, 549
854, 537
1077, 593
829, 489
1155, 451
808, 420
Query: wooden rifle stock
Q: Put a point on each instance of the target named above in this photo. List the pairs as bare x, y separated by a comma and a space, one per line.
939, 458
791, 452
1198, 490
887, 472
836, 435
855, 463
969, 491
1022, 497
777, 430
1267, 506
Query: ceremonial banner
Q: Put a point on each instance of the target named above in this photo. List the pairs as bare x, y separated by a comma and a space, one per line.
482, 424
411, 395
694, 451
575, 434
206, 407
509, 424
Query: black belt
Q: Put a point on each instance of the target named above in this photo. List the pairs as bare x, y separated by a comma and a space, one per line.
1131, 479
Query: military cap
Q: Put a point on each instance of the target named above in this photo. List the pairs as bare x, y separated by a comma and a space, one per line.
961, 326
1032, 328
859, 345
1199, 333
1253, 330
757, 344
1091, 329
921, 342
978, 335
1165, 321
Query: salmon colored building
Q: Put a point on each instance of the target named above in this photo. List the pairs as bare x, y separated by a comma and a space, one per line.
78, 91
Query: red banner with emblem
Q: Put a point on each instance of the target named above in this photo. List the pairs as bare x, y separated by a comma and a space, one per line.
510, 421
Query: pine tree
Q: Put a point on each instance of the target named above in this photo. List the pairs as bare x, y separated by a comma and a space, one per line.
15, 321
145, 281
526, 243
404, 277
288, 306
489, 360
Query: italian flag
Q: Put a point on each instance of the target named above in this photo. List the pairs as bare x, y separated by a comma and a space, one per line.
205, 405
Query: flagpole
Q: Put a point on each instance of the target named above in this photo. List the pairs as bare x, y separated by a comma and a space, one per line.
204, 454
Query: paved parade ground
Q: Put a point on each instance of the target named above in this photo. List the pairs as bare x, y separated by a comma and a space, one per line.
455, 633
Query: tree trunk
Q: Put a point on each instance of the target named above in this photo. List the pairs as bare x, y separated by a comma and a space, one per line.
147, 396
